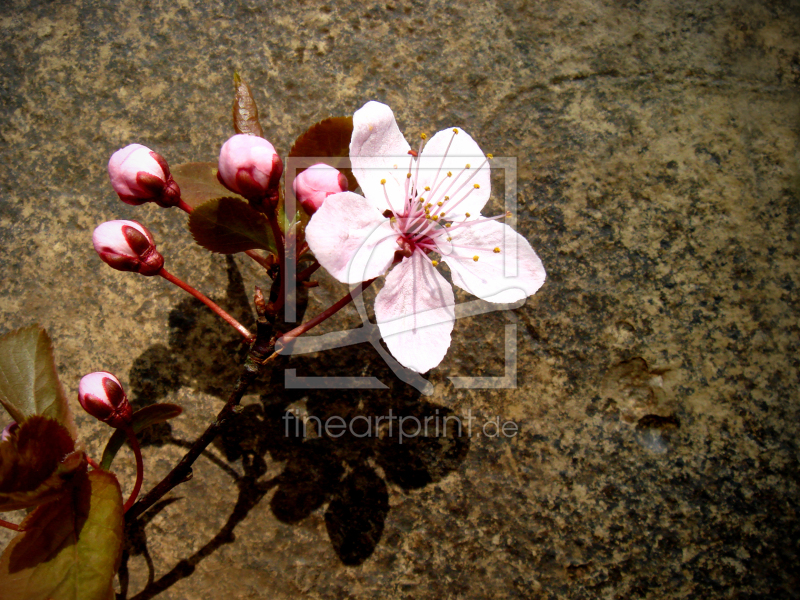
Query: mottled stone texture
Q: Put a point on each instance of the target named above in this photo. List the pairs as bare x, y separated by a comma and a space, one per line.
657, 370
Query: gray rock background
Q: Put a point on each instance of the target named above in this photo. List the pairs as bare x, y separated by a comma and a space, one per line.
657, 372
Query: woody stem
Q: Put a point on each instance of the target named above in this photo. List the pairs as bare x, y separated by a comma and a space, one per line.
280, 243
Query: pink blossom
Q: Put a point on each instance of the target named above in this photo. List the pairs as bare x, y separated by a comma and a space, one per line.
101, 395
127, 246
315, 184
249, 166
140, 175
413, 210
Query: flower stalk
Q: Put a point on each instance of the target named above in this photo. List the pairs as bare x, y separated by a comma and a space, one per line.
10, 525
137, 451
243, 331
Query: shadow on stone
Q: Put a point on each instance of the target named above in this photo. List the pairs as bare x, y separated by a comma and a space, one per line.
390, 436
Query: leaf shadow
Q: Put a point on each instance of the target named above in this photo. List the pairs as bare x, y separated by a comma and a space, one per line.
348, 476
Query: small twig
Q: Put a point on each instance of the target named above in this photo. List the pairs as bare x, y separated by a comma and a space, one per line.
326, 314
10, 525
182, 471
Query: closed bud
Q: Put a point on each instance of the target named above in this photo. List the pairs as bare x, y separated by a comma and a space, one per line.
127, 246
102, 396
249, 166
140, 175
316, 183
8, 431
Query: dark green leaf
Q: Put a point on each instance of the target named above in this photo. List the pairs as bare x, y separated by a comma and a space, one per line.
70, 548
36, 463
142, 419
328, 142
198, 182
29, 383
230, 225
245, 111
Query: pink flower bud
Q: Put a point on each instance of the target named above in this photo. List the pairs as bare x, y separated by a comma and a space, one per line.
249, 166
140, 175
8, 431
102, 396
315, 184
127, 246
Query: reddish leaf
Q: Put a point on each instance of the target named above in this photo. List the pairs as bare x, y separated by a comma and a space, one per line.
245, 111
230, 225
71, 547
198, 182
36, 463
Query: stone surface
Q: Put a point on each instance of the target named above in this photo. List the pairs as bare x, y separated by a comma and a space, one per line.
657, 369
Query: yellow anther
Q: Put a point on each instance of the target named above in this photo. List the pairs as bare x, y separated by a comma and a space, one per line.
408, 175
435, 217
448, 225
467, 215
475, 258
449, 239
467, 165
508, 213
441, 214
449, 174
496, 250
455, 130
490, 156
446, 198
383, 182
435, 263
423, 136
427, 188
421, 199
476, 186
439, 203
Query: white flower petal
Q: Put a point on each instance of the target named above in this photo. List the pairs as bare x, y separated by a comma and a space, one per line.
379, 151
415, 311
351, 239
437, 160
492, 276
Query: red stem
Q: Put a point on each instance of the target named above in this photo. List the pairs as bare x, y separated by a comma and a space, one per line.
137, 451
210, 304
307, 272
11, 526
325, 314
